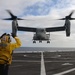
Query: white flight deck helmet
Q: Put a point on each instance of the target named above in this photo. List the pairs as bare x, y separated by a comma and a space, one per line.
6, 38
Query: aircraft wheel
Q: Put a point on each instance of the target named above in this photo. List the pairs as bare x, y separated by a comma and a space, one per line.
48, 41
34, 41
40, 41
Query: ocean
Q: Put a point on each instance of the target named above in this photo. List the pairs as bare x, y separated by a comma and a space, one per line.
44, 49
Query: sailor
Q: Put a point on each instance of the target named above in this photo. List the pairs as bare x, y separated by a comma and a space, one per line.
6, 49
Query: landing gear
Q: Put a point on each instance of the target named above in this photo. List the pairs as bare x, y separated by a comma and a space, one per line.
34, 41
40, 41
48, 41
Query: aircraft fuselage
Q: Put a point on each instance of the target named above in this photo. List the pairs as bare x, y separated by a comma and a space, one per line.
41, 35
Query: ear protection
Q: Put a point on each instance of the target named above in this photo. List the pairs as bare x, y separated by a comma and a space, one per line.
8, 37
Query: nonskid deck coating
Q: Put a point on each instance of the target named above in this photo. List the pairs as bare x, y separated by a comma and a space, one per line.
30, 63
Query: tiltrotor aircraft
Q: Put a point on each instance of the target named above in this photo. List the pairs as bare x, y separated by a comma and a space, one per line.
40, 34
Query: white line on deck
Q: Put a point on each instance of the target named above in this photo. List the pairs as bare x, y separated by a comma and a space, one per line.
43, 71
16, 66
25, 61
65, 72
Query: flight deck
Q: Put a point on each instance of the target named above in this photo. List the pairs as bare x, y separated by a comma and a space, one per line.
43, 63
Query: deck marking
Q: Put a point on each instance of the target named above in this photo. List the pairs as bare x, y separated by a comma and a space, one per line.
65, 72
67, 64
26, 61
16, 66
43, 71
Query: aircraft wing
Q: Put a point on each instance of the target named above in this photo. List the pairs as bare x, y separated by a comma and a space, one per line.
53, 29
29, 29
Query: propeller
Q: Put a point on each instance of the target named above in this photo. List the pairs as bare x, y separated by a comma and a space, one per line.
13, 17
68, 17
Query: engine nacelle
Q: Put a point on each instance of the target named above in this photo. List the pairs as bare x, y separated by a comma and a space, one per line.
67, 27
14, 27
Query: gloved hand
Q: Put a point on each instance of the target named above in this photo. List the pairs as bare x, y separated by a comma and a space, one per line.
2, 35
13, 35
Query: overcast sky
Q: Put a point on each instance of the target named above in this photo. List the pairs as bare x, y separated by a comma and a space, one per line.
41, 13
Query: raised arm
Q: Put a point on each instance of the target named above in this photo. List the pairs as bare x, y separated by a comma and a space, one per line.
17, 44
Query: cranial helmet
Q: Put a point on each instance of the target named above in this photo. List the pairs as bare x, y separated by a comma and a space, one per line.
6, 38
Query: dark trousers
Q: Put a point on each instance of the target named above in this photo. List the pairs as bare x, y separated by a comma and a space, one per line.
4, 69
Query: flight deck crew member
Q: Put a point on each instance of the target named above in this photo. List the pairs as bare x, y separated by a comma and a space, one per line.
6, 49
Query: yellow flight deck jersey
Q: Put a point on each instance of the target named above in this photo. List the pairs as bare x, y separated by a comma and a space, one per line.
6, 50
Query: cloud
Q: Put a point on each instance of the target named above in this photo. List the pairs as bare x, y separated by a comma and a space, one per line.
41, 13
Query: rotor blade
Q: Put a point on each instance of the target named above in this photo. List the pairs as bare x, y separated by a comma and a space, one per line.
68, 17
13, 17
71, 13
65, 18
7, 19
10, 13
72, 18
24, 19
19, 19
61, 19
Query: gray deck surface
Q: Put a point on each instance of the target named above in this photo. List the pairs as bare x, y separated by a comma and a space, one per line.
56, 63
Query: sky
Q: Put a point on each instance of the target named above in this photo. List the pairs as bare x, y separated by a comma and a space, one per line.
40, 14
